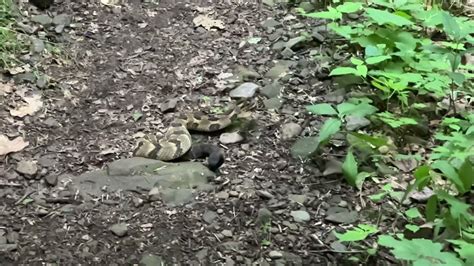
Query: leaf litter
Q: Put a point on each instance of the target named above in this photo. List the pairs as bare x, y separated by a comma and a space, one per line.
8, 146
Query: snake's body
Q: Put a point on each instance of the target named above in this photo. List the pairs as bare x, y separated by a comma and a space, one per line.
176, 142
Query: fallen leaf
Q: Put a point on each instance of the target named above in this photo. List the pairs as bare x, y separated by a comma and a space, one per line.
5, 88
207, 22
7, 146
33, 104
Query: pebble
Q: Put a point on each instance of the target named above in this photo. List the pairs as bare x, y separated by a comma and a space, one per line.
290, 130
274, 254
229, 138
154, 194
233, 193
27, 168
245, 90
300, 216
264, 194
51, 180
119, 229
222, 195
226, 233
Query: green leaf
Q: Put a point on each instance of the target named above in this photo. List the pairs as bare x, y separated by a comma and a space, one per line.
431, 208
378, 197
413, 213
373, 141
349, 169
362, 71
451, 27
329, 128
349, 7
382, 17
321, 109
361, 110
395, 122
343, 30
136, 115
343, 71
457, 77
448, 170
332, 14
356, 61
422, 176
465, 250
361, 232
254, 40
412, 227
466, 173
373, 51
419, 251
377, 59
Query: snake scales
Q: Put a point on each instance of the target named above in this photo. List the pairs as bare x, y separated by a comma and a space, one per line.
176, 143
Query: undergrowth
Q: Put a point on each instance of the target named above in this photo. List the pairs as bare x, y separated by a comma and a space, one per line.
11, 43
415, 90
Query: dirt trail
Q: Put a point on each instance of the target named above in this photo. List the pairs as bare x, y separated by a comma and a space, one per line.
126, 63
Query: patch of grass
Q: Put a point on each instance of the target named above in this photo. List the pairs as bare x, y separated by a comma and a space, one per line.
10, 42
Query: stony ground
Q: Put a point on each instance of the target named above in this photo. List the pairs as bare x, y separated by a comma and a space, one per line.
127, 70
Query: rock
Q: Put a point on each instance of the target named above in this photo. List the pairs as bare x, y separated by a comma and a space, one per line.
298, 198
37, 45
51, 122
245, 73
275, 36
281, 164
306, 6
274, 254
137, 202
245, 90
119, 230
290, 130
226, 233
51, 180
42, 19
277, 71
273, 103
269, 3
421, 196
270, 23
222, 195
3, 240
27, 168
333, 166
202, 254
13, 237
354, 122
151, 260
318, 36
271, 90
169, 105
287, 53
154, 194
25, 77
341, 215
300, 216
264, 194
209, 216
62, 19
278, 46
229, 138
42, 83
295, 42
59, 28
8, 247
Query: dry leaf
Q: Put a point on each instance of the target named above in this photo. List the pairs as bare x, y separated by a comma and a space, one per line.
33, 104
5, 88
208, 22
7, 146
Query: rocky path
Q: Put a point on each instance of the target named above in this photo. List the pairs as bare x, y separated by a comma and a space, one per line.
127, 70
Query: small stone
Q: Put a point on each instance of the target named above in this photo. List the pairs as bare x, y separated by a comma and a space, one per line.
278, 46
295, 42
271, 90
246, 73
229, 138
51, 180
342, 217
151, 260
287, 53
290, 130
154, 194
264, 194
245, 90
51, 122
307, 6
37, 45
209, 216
137, 202
222, 195
273, 103
298, 198
233, 193
281, 164
13, 237
27, 168
220, 211
169, 105
226, 233
119, 229
354, 122
42, 82
274, 254
42, 19
300, 216
270, 23
59, 28
277, 71
342, 204
62, 19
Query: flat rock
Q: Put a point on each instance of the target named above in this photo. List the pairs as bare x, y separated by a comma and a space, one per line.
272, 90
270, 23
169, 105
151, 260
295, 42
245, 73
209, 216
245, 90
342, 217
37, 45
290, 130
275, 254
297, 198
27, 168
177, 182
354, 122
273, 103
119, 230
229, 138
42, 19
300, 216
62, 19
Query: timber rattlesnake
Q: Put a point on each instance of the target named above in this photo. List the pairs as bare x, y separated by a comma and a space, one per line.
177, 143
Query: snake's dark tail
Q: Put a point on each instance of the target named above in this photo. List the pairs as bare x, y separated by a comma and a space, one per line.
214, 154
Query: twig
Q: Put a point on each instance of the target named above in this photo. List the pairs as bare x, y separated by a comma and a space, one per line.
27, 194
